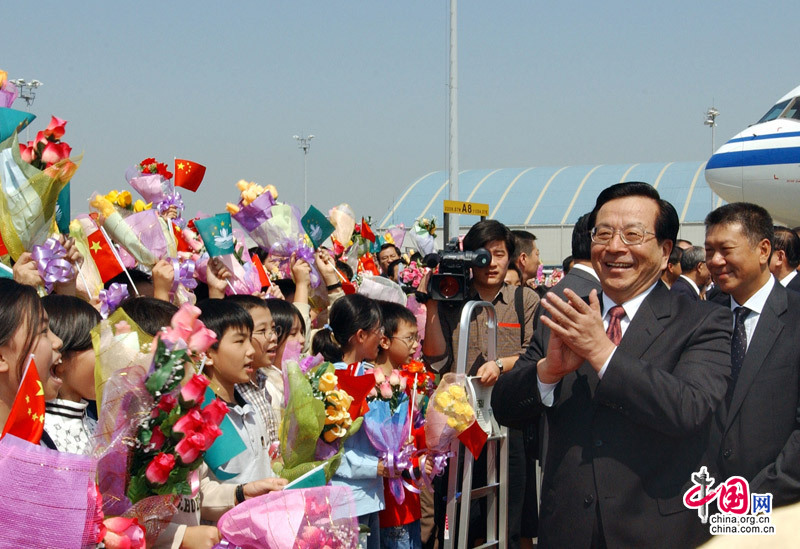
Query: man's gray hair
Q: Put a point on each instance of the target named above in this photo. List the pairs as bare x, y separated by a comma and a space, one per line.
692, 257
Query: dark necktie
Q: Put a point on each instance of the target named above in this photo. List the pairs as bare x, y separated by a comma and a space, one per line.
738, 343
614, 330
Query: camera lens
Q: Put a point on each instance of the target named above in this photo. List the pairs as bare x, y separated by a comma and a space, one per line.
448, 286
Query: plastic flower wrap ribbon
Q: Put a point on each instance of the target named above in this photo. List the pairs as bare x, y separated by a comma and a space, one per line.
184, 274
46, 496
314, 415
313, 518
172, 200
51, 263
389, 432
111, 298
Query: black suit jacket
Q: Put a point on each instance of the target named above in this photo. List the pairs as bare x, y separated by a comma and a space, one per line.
630, 442
794, 284
757, 436
682, 287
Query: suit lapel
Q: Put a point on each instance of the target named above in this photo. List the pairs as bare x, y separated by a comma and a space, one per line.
646, 326
767, 330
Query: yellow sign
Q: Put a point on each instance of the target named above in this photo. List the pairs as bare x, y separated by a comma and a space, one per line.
468, 208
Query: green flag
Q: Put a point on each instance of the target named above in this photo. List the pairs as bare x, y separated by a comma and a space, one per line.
317, 226
217, 234
63, 213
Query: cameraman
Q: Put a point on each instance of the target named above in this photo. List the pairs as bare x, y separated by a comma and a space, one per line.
515, 307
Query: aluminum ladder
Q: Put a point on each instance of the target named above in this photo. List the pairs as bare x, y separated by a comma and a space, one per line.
496, 489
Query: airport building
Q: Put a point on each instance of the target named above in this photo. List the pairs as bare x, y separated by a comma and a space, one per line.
548, 200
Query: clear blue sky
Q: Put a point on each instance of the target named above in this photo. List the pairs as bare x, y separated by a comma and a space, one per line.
228, 84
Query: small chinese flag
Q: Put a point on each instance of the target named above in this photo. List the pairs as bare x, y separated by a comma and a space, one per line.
103, 256
3, 249
357, 387
180, 242
367, 263
188, 174
366, 232
473, 437
26, 418
262, 273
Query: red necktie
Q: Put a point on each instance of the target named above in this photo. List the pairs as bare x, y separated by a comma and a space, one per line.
614, 330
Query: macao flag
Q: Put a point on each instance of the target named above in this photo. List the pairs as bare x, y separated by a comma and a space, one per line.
217, 234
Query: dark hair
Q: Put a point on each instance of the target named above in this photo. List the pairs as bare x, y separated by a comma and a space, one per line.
259, 252
72, 320
21, 304
149, 313
582, 238
283, 315
221, 315
247, 302
523, 243
286, 286
667, 222
488, 230
393, 314
392, 267
565, 265
675, 255
755, 221
386, 246
692, 257
787, 240
345, 269
348, 315
136, 275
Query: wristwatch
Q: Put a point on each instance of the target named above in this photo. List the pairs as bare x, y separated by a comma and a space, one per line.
499, 364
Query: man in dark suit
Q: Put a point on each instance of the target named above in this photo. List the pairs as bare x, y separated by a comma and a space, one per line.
629, 392
694, 274
785, 257
756, 433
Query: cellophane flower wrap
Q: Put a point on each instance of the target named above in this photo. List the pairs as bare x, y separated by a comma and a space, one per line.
152, 434
423, 233
316, 422
254, 212
312, 518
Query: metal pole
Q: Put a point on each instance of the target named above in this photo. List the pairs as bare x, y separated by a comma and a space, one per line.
453, 219
305, 180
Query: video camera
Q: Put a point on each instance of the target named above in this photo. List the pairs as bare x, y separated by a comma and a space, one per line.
452, 280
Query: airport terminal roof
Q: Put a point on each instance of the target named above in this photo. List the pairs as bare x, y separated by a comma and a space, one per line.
552, 195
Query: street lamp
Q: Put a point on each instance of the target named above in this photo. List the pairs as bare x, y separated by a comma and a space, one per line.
27, 90
305, 144
711, 120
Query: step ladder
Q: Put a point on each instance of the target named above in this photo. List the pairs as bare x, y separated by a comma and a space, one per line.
496, 489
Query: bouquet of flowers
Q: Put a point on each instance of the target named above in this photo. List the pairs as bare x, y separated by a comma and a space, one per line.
48, 148
154, 182
423, 233
412, 274
254, 212
152, 433
313, 518
316, 421
123, 202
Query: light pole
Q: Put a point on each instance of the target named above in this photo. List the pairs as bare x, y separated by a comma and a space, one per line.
305, 144
711, 120
27, 90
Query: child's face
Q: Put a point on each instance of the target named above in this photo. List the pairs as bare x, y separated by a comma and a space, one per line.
264, 337
297, 332
403, 344
77, 373
232, 361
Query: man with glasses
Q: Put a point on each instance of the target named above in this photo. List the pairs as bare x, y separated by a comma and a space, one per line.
629, 381
694, 274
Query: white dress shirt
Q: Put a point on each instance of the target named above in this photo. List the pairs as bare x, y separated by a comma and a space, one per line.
756, 305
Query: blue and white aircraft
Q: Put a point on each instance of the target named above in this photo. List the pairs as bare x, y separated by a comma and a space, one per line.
762, 163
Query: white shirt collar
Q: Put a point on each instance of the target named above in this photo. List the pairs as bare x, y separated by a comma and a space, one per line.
586, 269
757, 300
631, 306
788, 278
690, 281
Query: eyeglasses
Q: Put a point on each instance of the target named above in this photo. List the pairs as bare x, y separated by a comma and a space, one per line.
632, 235
409, 340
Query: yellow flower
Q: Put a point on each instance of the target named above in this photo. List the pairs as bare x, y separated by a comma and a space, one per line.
233, 209
463, 409
329, 436
443, 401
140, 206
327, 382
457, 392
242, 184
248, 196
272, 190
333, 416
112, 196
452, 422
124, 199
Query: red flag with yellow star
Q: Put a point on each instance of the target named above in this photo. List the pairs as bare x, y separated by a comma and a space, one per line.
103, 256
188, 174
26, 418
